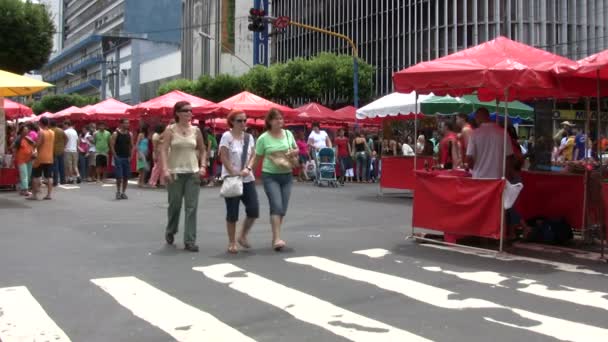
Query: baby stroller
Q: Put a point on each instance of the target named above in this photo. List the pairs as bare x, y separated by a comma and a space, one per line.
326, 167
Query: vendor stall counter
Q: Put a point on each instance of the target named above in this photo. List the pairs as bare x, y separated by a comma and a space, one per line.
398, 171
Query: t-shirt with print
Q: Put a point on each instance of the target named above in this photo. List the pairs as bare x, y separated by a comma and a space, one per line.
581, 143
267, 144
319, 139
102, 142
235, 149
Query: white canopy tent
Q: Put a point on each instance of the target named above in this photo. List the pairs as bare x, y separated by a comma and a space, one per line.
392, 105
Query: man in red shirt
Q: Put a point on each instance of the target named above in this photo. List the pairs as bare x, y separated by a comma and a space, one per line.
449, 150
343, 147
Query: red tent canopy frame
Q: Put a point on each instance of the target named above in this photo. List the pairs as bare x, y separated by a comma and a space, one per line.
314, 112
162, 106
15, 110
256, 107
500, 69
109, 109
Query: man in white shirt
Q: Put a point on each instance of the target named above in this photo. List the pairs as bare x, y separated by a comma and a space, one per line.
318, 139
486, 148
71, 153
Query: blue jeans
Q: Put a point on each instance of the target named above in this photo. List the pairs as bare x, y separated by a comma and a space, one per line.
122, 168
25, 175
278, 191
59, 169
83, 164
249, 199
362, 162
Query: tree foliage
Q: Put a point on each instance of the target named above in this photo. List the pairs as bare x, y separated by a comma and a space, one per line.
27, 32
258, 81
326, 78
222, 87
187, 86
55, 103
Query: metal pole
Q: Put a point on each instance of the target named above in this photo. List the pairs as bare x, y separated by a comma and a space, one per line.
586, 173
352, 45
599, 155
504, 169
356, 81
415, 152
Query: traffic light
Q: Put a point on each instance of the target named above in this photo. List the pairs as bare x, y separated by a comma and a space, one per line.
256, 19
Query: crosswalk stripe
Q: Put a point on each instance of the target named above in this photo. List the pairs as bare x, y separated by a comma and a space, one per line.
546, 325
569, 294
69, 187
23, 319
560, 266
305, 307
178, 319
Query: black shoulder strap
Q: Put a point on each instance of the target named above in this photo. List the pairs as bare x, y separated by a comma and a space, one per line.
244, 153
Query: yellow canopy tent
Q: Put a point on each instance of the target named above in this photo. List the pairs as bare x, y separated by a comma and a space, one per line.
15, 85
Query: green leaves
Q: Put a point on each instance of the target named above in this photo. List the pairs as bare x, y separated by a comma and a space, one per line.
26, 32
326, 78
55, 103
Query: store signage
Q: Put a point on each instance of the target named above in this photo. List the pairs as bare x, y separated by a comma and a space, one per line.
580, 115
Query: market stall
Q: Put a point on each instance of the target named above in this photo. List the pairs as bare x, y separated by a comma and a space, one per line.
12, 85
397, 171
501, 70
161, 107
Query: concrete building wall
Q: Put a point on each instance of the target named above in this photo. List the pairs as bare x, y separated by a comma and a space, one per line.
210, 46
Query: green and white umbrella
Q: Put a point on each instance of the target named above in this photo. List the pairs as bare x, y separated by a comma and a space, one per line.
447, 105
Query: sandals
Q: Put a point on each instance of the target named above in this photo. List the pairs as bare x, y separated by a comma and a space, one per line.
279, 245
244, 243
233, 249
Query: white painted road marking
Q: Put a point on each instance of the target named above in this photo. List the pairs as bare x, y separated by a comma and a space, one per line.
569, 294
23, 319
178, 319
69, 187
374, 253
305, 307
546, 325
560, 266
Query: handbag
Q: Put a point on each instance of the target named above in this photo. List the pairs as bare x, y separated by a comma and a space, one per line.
232, 186
285, 159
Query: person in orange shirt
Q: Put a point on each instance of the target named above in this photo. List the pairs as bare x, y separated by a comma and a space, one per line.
23, 159
43, 165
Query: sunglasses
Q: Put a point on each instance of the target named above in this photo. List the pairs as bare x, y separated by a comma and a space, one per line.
240, 120
185, 111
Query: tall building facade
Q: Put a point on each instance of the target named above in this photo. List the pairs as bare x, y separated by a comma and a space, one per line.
394, 34
215, 37
104, 43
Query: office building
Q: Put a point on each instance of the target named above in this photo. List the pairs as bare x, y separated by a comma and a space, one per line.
215, 39
394, 34
106, 42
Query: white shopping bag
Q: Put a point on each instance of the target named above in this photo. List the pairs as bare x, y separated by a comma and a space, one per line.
511, 193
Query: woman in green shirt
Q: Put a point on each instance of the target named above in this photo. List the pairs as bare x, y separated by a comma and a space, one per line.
277, 179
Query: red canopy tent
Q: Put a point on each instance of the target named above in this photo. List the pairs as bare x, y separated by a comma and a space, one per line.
255, 106
109, 109
15, 110
500, 69
72, 113
162, 106
347, 113
314, 112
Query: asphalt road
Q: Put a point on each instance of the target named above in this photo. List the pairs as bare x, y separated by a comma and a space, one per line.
85, 267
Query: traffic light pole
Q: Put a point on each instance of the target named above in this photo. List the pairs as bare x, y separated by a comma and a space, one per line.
355, 55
